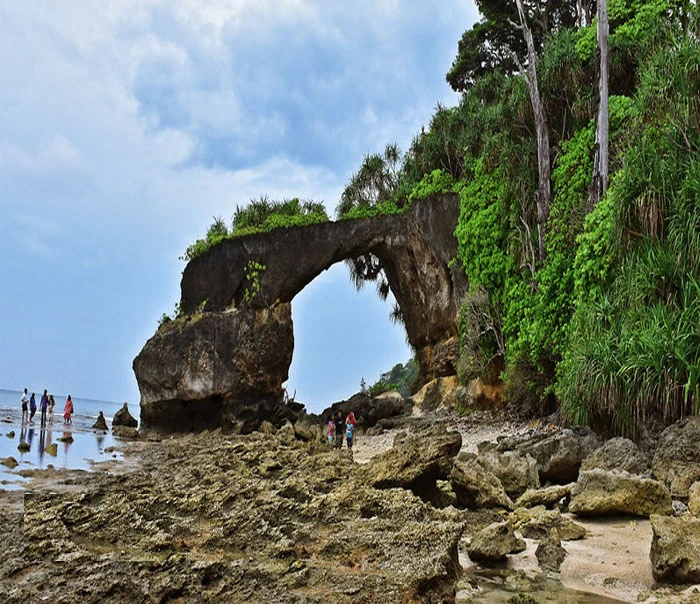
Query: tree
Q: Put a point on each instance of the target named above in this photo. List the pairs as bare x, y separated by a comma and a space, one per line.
599, 184
529, 73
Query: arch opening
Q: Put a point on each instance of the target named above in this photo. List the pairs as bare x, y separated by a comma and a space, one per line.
341, 336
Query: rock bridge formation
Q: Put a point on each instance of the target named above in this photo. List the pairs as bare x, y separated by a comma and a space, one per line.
224, 362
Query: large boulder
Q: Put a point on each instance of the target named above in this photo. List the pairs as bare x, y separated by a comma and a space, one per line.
437, 396
675, 549
694, 499
369, 410
495, 542
121, 418
548, 496
677, 458
602, 492
617, 454
416, 461
476, 487
517, 473
539, 522
216, 369
559, 453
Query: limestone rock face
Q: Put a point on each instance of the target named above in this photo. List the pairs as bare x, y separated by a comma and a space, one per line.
216, 369
617, 454
548, 497
517, 473
437, 395
602, 492
495, 542
675, 549
475, 486
559, 455
416, 461
123, 418
677, 457
694, 499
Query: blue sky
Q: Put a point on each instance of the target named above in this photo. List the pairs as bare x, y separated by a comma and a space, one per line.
127, 125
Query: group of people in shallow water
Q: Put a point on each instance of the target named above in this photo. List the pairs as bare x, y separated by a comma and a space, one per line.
339, 425
46, 405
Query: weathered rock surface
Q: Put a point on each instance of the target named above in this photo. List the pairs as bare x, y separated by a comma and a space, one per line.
232, 518
416, 461
369, 410
9, 462
122, 417
559, 454
617, 454
216, 369
675, 549
495, 542
677, 458
475, 487
548, 496
538, 523
550, 554
437, 396
517, 473
602, 492
101, 422
694, 499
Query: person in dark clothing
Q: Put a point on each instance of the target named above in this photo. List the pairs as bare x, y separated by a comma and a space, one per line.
339, 421
44, 407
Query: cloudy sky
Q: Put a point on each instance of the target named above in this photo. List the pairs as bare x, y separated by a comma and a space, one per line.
127, 125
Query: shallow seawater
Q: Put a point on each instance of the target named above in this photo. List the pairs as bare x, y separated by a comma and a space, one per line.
491, 586
87, 447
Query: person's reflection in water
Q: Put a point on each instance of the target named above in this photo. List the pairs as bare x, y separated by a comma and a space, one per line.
68, 439
42, 445
30, 436
100, 438
23, 435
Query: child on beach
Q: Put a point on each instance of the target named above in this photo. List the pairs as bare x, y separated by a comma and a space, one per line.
68, 411
52, 404
331, 431
350, 433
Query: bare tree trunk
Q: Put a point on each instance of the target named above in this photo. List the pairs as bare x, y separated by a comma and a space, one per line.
599, 183
544, 191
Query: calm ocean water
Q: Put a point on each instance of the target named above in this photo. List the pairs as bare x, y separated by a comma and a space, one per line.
87, 447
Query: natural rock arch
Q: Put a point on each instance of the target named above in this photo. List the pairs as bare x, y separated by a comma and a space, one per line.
224, 363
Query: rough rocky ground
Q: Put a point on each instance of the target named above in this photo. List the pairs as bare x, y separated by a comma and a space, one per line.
217, 518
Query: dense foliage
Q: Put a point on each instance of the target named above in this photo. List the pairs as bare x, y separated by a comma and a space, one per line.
400, 378
259, 216
605, 324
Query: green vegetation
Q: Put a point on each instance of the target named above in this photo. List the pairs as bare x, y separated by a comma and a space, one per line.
399, 378
606, 322
259, 216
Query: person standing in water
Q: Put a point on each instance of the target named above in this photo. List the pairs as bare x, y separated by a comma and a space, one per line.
25, 407
32, 408
52, 404
44, 406
68, 411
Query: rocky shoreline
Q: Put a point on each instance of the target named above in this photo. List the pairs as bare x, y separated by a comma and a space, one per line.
280, 517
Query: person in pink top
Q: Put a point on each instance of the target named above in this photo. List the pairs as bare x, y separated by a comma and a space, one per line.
68, 411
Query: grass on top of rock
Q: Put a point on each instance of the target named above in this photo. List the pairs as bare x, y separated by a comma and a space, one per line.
259, 216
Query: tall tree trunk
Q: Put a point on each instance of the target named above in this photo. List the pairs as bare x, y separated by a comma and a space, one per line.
544, 191
599, 184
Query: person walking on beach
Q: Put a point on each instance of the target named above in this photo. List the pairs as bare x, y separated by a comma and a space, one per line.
339, 422
68, 411
350, 423
52, 404
44, 406
331, 431
32, 408
25, 407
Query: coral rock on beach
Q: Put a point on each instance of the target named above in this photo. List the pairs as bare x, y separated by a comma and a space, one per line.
124, 418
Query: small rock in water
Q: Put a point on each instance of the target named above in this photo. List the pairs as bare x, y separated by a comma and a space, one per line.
10, 434
100, 423
68, 438
10, 462
23, 446
52, 449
